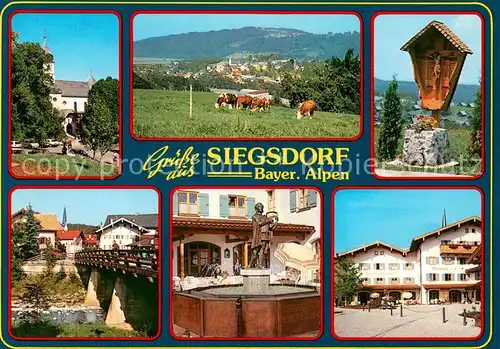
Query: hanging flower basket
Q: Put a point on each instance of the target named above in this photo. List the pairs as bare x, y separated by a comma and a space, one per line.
453, 246
467, 247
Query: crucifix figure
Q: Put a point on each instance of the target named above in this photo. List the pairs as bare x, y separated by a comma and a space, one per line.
436, 56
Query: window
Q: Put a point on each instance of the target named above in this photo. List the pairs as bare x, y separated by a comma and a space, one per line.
302, 199
473, 230
462, 277
462, 260
448, 277
188, 203
466, 230
237, 206
379, 266
271, 200
365, 281
75, 107
432, 277
64, 102
375, 253
85, 105
394, 281
364, 266
409, 280
393, 266
409, 266
432, 260
198, 256
379, 281
54, 99
448, 260
316, 246
381, 253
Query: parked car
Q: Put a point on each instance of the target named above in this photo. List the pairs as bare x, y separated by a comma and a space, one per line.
16, 145
31, 144
52, 143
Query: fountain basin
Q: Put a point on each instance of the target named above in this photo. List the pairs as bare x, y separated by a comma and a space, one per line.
229, 312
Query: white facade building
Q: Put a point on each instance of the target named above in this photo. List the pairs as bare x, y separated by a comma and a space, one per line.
121, 232
213, 226
69, 97
435, 267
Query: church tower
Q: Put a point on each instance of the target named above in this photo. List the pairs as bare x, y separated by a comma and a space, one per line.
49, 58
90, 81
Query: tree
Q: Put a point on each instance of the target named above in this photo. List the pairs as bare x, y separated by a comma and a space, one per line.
391, 123
17, 260
32, 113
100, 124
347, 279
28, 235
50, 259
475, 137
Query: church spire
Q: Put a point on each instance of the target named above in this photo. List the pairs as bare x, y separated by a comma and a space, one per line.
90, 81
45, 46
64, 222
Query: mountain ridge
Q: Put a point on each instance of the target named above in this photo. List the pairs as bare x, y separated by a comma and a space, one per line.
286, 42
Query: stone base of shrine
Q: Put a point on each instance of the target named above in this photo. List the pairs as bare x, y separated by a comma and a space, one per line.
427, 148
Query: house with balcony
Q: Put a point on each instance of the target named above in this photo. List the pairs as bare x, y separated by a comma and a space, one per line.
48, 226
438, 266
214, 226
123, 230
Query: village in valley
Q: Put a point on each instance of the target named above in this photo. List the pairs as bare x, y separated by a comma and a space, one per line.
62, 126
67, 275
224, 86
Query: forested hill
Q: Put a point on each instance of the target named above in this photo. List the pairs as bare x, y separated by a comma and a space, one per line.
287, 43
463, 93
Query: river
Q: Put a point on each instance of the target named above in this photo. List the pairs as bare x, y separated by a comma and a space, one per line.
68, 314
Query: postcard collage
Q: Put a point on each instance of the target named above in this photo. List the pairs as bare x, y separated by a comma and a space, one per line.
247, 174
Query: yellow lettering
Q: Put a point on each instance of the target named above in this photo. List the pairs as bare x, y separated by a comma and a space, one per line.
341, 153
213, 156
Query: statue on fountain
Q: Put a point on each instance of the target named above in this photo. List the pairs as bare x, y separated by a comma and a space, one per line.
263, 229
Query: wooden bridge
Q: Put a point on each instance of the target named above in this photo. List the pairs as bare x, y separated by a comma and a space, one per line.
143, 262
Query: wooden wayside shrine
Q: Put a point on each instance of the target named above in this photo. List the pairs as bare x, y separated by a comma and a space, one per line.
437, 56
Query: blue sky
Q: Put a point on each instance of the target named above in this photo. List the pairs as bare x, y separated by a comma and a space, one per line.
396, 216
393, 31
79, 42
149, 25
87, 206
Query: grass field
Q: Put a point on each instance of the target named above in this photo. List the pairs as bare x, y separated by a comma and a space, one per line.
159, 113
459, 140
54, 165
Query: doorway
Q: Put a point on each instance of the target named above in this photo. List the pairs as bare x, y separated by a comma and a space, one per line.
455, 296
363, 297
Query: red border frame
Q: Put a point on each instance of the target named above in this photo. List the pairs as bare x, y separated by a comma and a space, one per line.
321, 270
252, 12
426, 339
83, 187
120, 93
372, 93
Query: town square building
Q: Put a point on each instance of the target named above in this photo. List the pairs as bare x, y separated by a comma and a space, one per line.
214, 227
440, 265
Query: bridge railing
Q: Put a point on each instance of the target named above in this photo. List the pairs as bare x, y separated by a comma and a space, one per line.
143, 262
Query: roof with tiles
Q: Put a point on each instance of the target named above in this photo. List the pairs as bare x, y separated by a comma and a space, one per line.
445, 31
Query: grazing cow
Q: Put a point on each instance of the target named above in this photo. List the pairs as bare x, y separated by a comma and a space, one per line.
261, 104
306, 109
244, 101
231, 100
221, 101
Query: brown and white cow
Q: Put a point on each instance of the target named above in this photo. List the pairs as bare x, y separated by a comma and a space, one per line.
226, 99
261, 104
306, 109
244, 101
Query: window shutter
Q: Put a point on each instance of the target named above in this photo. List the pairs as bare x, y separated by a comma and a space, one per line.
452, 277
312, 199
250, 207
175, 204
427, 260
293, 200
204, 203
437, 277
427, 277
223, 206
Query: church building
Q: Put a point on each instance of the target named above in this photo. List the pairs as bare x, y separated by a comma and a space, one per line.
69, 97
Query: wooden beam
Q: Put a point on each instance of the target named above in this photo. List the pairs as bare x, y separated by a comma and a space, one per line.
181, 252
